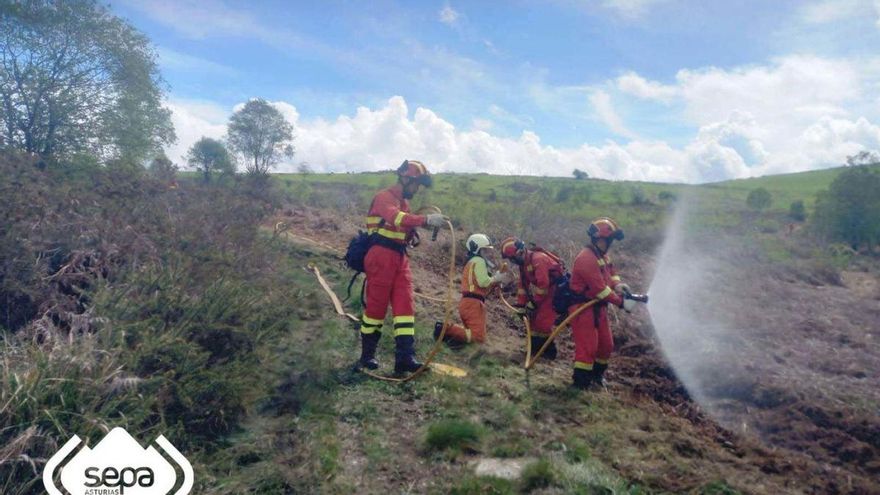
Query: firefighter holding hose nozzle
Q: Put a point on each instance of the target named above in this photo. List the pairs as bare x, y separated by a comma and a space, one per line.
593, 277
389, 281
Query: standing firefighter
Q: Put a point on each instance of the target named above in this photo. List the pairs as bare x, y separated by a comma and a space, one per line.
476, 283
593, 277
538, 272
388, 279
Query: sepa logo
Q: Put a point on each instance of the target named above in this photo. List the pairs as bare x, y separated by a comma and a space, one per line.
118, 465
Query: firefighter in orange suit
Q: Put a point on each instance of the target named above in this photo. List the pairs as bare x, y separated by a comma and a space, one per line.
476, 283
593, 277
388, 278
539, 270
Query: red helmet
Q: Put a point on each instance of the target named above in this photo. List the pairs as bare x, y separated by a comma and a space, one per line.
511, 246
415, 170
604, 228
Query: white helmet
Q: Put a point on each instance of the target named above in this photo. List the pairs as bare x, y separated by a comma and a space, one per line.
476, 242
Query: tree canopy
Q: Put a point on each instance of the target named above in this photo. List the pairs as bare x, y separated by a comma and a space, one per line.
261, 135
759, 199
849, 210
209, 155
74, 78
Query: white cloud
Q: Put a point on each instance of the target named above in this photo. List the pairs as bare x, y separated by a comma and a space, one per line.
601, 102
826, 11
630, 9
634, 84
194, 119
448, 15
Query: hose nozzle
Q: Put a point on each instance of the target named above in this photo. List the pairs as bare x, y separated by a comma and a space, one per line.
642, 298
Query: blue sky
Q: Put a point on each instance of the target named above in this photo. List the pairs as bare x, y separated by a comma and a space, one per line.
625, 89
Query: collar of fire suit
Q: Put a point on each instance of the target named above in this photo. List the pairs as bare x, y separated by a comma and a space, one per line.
397, 191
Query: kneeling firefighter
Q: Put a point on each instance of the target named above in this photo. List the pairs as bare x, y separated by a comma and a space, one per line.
476, 283
539, 271
392, 228
593, 277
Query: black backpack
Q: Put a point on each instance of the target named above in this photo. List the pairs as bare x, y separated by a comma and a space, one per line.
564, 296
355, 255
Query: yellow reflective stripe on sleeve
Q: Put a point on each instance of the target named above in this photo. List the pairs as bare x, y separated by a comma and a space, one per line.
530, 268
374, 219
601, 262
615, 278
538, 290
371, 321
605, 293
580, 365
399, 218
521, 291
467, 331
391, 234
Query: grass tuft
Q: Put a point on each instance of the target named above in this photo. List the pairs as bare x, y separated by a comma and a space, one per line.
453, 434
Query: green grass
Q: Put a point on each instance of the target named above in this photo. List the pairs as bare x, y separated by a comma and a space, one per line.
453, 434
539, 474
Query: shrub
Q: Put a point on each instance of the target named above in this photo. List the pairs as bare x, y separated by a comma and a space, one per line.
539, 474
797, 212
667, 197
453, 434
759, 199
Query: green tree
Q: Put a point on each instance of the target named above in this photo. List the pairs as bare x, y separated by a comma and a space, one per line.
74, 78
580, 174
209, 155
849, 210
797, 212
759, 199
261, 135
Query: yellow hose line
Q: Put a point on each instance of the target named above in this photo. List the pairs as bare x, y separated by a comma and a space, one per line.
337, 304
446, 319
531, 362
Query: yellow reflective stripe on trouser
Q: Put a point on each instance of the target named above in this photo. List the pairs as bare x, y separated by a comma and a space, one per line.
399, 218
601, 262
601, 361
370, 325
615, 278
374, 220
404, 325
605, 293
580, 365
391, 234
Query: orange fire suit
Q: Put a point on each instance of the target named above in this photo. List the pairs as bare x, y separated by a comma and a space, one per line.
536, 285
476, 283
593, 277
388, 277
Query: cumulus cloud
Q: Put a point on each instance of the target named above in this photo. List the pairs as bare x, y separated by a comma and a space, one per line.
796, 113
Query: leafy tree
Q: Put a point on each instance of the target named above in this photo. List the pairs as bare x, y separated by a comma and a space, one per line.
849, 210
667, 197
304, 168
797, 212
261, 135
74, 78
863, 157
759, 199
209, 155
580, 174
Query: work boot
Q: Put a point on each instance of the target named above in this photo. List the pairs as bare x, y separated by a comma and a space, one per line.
453, 344
369, 341
405, 355
599, 369
583, 379
537, 342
